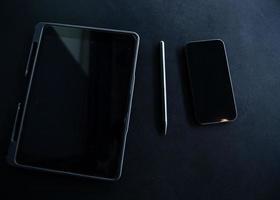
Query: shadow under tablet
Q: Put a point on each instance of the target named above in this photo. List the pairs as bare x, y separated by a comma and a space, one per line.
78, 108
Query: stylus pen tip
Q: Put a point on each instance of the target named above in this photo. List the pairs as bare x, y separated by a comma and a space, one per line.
165, 129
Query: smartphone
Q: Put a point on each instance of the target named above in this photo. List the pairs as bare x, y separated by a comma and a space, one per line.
210, 81
76, 111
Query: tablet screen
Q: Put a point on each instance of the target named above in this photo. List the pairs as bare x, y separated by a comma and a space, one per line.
75, 118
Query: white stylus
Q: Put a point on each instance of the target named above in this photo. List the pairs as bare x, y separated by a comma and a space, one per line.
163, 86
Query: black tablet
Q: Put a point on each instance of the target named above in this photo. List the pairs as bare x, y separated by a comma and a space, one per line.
74, 117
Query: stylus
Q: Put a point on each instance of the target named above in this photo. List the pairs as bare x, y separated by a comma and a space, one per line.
163, 86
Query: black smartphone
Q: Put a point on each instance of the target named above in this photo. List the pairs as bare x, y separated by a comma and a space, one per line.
76, 112
210, 81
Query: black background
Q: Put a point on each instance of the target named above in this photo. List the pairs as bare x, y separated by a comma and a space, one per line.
240, 160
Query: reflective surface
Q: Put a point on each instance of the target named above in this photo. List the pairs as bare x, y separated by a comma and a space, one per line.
76, 114
213, 98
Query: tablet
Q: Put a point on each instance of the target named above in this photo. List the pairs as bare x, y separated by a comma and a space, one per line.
75, 115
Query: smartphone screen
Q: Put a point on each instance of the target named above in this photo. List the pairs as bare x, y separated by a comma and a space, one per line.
79, 101
210, 82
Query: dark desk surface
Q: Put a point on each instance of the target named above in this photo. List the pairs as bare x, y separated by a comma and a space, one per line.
240, 160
